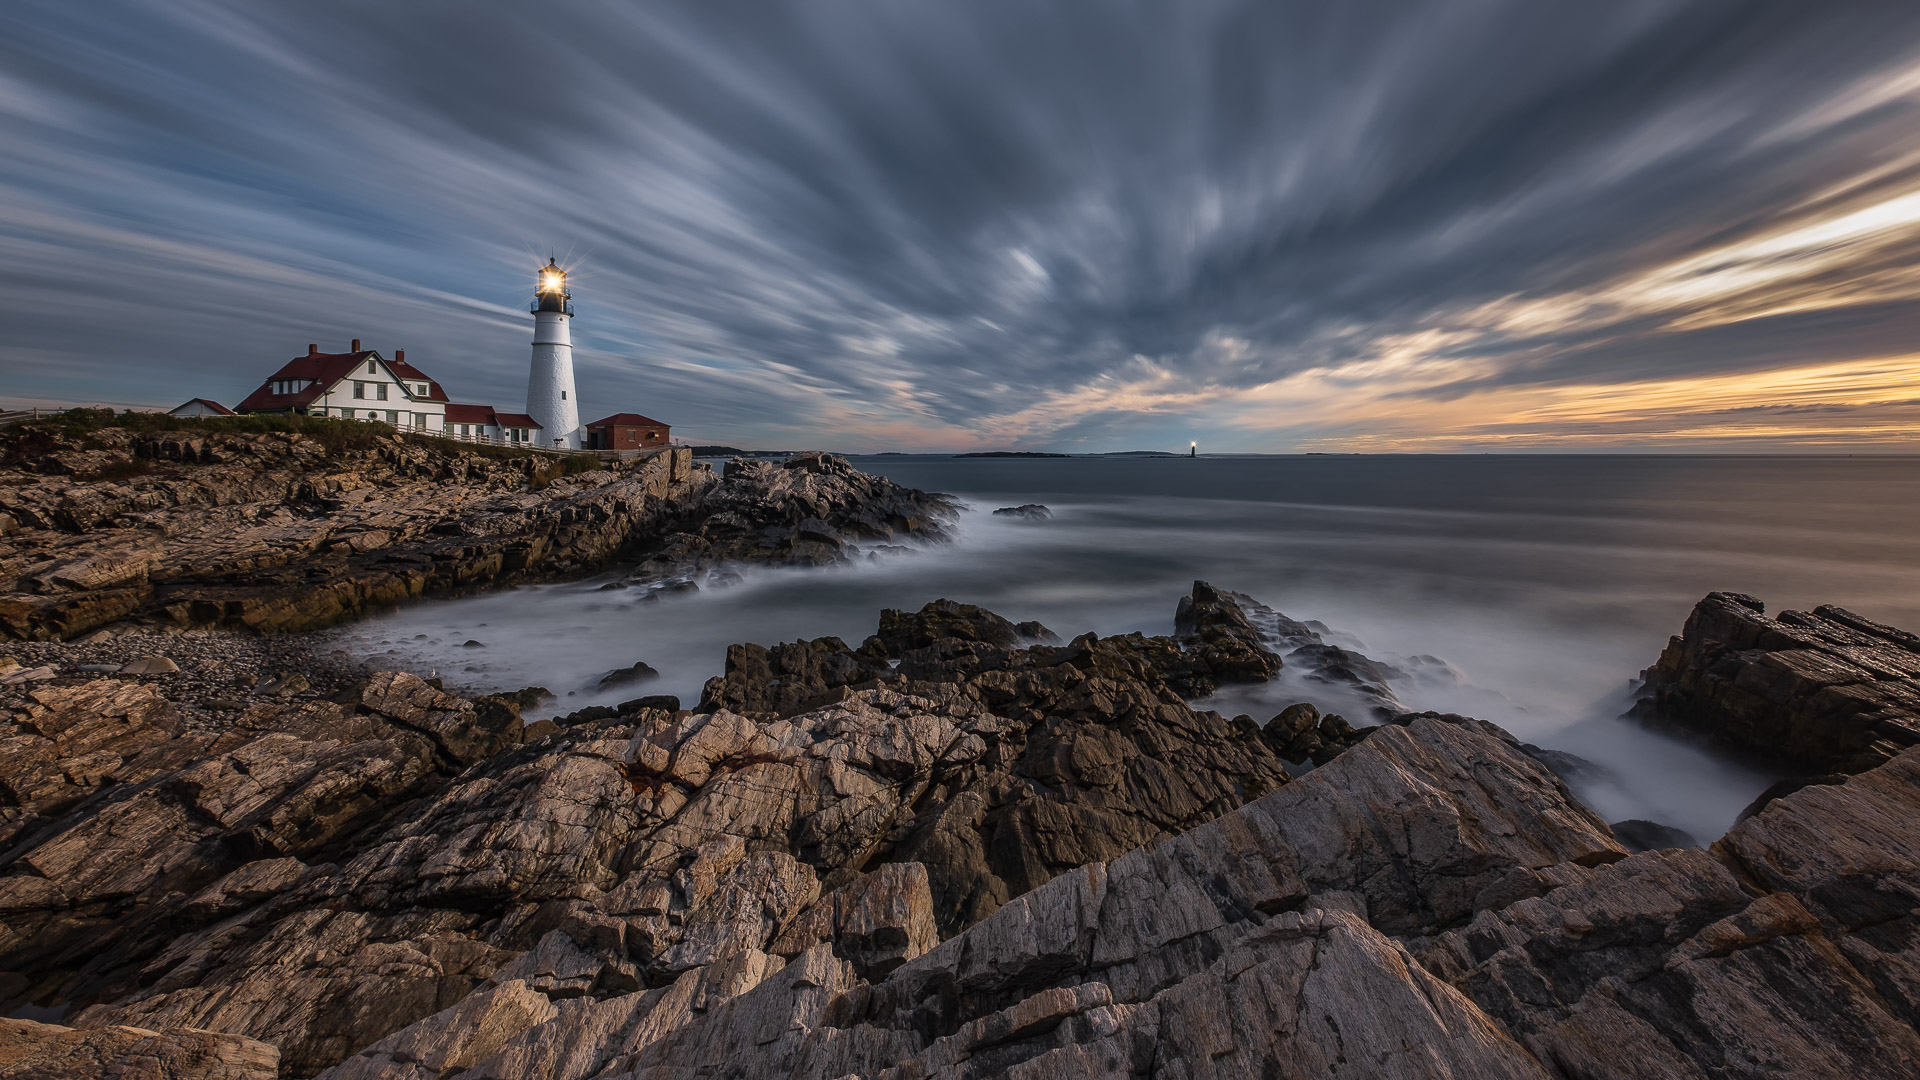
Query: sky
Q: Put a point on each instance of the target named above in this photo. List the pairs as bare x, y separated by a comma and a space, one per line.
1078, 225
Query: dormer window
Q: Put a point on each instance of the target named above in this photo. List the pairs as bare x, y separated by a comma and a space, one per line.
370, 368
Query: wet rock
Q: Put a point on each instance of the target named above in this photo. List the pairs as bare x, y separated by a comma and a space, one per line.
940, 622
1025, 512
637, 672
1824, 691
1033, 631
809, 511
1639, 834
995, 858
661, 702
1212, 625
791, 677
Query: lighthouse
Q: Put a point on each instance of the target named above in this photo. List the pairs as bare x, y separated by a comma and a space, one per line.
550, 397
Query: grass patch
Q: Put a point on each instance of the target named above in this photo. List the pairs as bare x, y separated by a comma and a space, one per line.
571, 465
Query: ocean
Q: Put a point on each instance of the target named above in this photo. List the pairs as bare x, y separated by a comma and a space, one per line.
1533, 589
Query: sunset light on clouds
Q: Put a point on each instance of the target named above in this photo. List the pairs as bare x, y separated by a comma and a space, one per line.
923, 226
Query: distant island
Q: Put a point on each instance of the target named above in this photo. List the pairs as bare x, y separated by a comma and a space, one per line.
1010, 454
734, 451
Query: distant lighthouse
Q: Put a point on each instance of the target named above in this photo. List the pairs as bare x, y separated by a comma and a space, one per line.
550, 397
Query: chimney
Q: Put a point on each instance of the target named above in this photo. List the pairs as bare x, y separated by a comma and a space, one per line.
356, 345
399, 356
313, 349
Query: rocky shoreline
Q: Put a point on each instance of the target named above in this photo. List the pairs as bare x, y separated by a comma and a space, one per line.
960, 848
290, 531
957, 848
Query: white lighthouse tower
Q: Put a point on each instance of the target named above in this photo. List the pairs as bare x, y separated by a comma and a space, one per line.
550, 397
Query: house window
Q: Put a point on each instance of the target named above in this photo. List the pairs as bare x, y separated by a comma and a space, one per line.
393, 417
380, 391
370, 370
360, 390
563, 395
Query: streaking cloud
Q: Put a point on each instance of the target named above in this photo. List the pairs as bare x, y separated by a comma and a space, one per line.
916, 225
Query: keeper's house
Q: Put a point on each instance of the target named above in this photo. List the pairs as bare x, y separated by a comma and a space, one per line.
358, 384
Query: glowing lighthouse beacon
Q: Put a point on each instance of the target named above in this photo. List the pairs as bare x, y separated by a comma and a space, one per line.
550, 397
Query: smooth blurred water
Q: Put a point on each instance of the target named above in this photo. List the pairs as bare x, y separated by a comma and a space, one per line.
1545, 583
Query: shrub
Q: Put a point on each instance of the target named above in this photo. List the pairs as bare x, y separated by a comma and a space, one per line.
31, 438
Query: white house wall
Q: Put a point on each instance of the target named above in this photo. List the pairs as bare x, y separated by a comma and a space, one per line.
410, 412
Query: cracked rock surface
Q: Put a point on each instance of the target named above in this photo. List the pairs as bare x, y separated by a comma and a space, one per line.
952, 850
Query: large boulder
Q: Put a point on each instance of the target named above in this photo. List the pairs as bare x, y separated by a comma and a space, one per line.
1814, 692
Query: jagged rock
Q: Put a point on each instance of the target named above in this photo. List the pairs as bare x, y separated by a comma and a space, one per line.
1025, 512
150, 665
1211, 623
35, 1051
244, 887
943, 621
803, 512
1184, 954
194, 830
456, 1038
276, 532
1663, 965
1850, 853
637, 672
1126, 885
1033, 631
1817, 692
1299, 733
791, 677
876, 922
1638, 834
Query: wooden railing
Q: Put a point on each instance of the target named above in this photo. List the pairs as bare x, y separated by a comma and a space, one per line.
10, 417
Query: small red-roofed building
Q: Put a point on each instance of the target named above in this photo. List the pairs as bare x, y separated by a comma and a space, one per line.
199, 407
627, 431
484, 423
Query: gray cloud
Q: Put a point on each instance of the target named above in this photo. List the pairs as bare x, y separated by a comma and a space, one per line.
905, 224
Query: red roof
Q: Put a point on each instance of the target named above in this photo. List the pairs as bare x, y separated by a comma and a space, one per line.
208, 402
323, 370
408, 371
515, 419
627, 419
469, 414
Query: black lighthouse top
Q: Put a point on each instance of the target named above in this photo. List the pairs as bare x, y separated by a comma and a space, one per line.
551, 294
